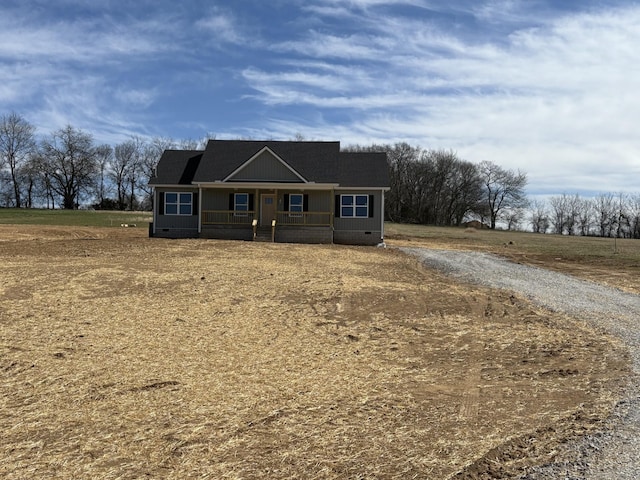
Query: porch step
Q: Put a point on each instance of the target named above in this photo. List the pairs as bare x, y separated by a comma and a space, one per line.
263, 234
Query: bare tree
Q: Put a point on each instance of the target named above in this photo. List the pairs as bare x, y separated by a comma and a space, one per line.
17, 143
6, 195
539, 216
135, 170
104, 157
199, 144
189, 144
467, 193
558, 213
401, 157
605, 213
32, 181
572, 215
151, 154
68, 161
502, 189
427, 186
633, 214
450, 188
584, 215
622, 225
573, 205
513, 217
123, 160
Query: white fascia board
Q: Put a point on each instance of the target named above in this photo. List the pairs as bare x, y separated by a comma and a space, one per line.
173, 185
268, 185
384, 189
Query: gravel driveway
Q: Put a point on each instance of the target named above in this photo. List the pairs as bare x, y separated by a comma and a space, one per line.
615, 453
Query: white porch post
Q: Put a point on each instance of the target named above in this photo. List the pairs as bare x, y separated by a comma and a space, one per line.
155, 211
382, 217
199, 210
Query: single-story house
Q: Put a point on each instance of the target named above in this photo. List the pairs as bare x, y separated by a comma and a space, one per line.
282, 191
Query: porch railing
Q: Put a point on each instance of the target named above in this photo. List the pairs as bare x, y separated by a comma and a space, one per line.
309, 219
227, 217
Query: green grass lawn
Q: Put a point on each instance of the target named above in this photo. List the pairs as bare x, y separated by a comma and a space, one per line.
88, 218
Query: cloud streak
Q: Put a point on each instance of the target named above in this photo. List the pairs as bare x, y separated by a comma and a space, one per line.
545, 88
558, 96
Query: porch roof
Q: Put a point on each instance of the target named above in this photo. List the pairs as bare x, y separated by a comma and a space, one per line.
268, 185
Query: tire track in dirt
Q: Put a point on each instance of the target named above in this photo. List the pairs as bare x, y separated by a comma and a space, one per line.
471, 393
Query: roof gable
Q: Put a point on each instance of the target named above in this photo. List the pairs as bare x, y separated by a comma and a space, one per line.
251, 161
311, 161
265, 166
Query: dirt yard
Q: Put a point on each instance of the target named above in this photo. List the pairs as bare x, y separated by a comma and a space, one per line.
128, 357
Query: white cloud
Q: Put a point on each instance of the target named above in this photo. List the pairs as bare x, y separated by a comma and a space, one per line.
560, 97
136, 97
512, 81
78, 41
221, 27
63, 70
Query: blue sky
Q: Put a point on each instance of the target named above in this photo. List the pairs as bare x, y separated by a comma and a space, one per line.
549, 87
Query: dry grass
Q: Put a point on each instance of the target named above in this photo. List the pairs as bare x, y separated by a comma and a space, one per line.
615, 262
126, 357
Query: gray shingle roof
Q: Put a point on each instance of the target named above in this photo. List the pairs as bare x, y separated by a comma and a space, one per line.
320, 162
177, 167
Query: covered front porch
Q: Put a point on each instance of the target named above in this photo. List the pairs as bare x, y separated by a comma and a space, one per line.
280, 214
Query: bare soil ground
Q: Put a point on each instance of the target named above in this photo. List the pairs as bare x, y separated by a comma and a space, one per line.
128, 357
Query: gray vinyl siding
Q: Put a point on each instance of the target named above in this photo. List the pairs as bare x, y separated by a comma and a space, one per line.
175, 222
361, 224
358, 231
265, 168
218, 199
319, 201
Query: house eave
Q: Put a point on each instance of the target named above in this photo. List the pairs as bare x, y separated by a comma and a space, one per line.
384, 189
268, 185
172, 185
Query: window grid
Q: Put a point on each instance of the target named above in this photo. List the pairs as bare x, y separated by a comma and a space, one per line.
241, 204
296, 204
354, 206
176, 203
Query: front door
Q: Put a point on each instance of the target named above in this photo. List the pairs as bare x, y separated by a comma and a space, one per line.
267, 208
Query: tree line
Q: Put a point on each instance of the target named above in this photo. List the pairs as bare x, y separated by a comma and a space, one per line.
67, 169
605, 215
435, 187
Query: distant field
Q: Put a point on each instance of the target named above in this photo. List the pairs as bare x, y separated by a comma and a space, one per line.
615, 262
85, 218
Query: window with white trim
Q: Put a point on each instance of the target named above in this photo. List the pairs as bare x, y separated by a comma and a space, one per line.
354, 206
296, 203
178, 203
241, 204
